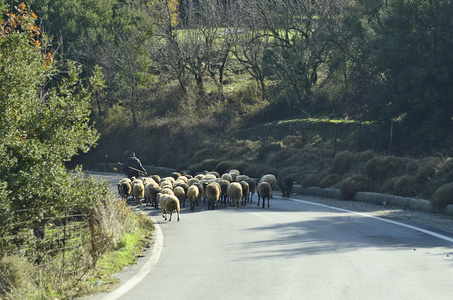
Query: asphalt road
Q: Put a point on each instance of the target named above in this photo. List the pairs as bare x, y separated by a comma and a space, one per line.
292, 250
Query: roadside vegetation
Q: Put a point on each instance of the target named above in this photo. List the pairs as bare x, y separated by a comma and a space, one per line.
354, 95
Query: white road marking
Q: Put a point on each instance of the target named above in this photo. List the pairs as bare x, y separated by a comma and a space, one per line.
431, 233
144, 270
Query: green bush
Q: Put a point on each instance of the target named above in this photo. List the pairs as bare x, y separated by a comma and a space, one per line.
366, 155
446, 170
15, 275
311, 180
329, 180
223, 166
351, 185
380, 168
405, 186
206, 165
342, 163
443, 196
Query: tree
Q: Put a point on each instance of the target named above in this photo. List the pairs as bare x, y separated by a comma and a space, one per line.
411, 49
44, 121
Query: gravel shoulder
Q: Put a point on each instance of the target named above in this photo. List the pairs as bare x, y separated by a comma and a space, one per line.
436, 222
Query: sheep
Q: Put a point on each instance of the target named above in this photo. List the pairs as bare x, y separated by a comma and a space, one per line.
286, 185
234, 191
175, 175
192, 194
269, 178
212, 191
156, 178
200, 190
223, 190
192, 181
180, 194
167, 191
151, 191
124, 188
164, 183
227, 177
264, 190
245, 192
168, 204
138, 190
182, 179
215, 173
252, 187
234, 174
240, 178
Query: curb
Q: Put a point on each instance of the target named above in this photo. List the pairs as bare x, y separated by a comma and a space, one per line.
376, 198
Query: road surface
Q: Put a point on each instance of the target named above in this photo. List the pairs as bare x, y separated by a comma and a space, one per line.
293, 250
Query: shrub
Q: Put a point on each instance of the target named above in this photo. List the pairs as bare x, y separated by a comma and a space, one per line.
366, 155
404, 186
447, 170
222, 167
267, 149
15, 275
443, 196
310, 180
329, 180
381, 168
342, 163
206, 165
351, 185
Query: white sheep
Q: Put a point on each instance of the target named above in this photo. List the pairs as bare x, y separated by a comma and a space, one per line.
240, 178
212, 192
151, 190
264, 190
168, 204
192, 195
227, 176
180, 194
234, 191
138, 190
271, 179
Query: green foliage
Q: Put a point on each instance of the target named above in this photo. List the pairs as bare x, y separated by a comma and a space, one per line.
443, 196
383, 167
351, 185
343, 163
329, 180
405, 186
44, 121
15, 276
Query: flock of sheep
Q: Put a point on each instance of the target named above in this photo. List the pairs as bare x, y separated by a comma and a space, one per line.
171, 192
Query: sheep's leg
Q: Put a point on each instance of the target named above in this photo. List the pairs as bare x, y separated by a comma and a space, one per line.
170, 217
178, 215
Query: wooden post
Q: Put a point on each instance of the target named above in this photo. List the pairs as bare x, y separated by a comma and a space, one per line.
93, 234
335, 141
391, 138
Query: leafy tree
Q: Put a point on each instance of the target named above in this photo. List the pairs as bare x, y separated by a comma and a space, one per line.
44, 121
411, 49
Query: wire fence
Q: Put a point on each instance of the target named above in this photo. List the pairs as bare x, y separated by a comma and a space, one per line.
63, 250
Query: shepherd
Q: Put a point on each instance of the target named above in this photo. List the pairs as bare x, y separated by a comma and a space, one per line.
133, 167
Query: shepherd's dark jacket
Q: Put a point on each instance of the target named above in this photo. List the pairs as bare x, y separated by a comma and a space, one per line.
133, 162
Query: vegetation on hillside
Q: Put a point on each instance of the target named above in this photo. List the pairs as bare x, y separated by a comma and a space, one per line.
349, 94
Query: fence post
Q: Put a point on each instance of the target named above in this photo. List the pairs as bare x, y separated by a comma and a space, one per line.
335, 141
391, 138
93, 233
2, 248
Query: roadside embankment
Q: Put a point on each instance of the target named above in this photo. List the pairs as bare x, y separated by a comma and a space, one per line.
376, 198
